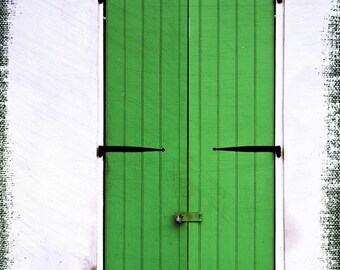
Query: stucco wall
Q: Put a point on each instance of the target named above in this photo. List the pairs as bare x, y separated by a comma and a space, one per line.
54, 124
305, 132
53, 131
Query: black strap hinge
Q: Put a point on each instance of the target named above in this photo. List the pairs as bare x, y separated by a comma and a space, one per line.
272, 149
125, 149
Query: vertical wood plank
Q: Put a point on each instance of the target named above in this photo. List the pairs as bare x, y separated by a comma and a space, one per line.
172, 102
151, 127
209, 132
246, 134
264, 130
195, 133
115, 102
227, 123
133, 134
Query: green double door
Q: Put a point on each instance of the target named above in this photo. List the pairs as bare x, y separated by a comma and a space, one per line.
188, 76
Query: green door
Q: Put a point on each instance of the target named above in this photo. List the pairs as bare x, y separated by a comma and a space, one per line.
188, 76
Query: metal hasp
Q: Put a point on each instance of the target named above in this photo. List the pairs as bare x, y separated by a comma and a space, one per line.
182, 217
126, 149
272, 149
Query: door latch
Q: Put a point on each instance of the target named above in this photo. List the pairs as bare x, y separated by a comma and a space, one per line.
182, 217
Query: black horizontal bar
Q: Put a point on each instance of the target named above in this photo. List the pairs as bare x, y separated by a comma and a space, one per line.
126, 149
272, 149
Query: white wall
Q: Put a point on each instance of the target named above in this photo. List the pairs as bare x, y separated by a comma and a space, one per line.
53, 115
304, 131
53, 127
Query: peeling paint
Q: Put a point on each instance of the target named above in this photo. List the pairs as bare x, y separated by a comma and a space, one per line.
6, 12
331, 167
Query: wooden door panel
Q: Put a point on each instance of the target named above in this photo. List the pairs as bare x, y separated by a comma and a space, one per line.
145, 106
231, 86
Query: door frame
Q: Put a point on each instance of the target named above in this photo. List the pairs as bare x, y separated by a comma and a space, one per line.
279, 139
279, 131
101, 133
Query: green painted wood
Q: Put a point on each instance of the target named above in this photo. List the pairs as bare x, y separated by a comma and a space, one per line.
231, 99
227, 100
146, 106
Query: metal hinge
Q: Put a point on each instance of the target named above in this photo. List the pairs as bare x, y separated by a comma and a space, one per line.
188, 217
260, 148
125, 149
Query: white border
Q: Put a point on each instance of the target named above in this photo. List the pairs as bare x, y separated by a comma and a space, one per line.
100, 248
279, 138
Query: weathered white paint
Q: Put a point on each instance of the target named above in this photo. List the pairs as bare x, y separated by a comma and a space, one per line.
53, 116
304, 131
